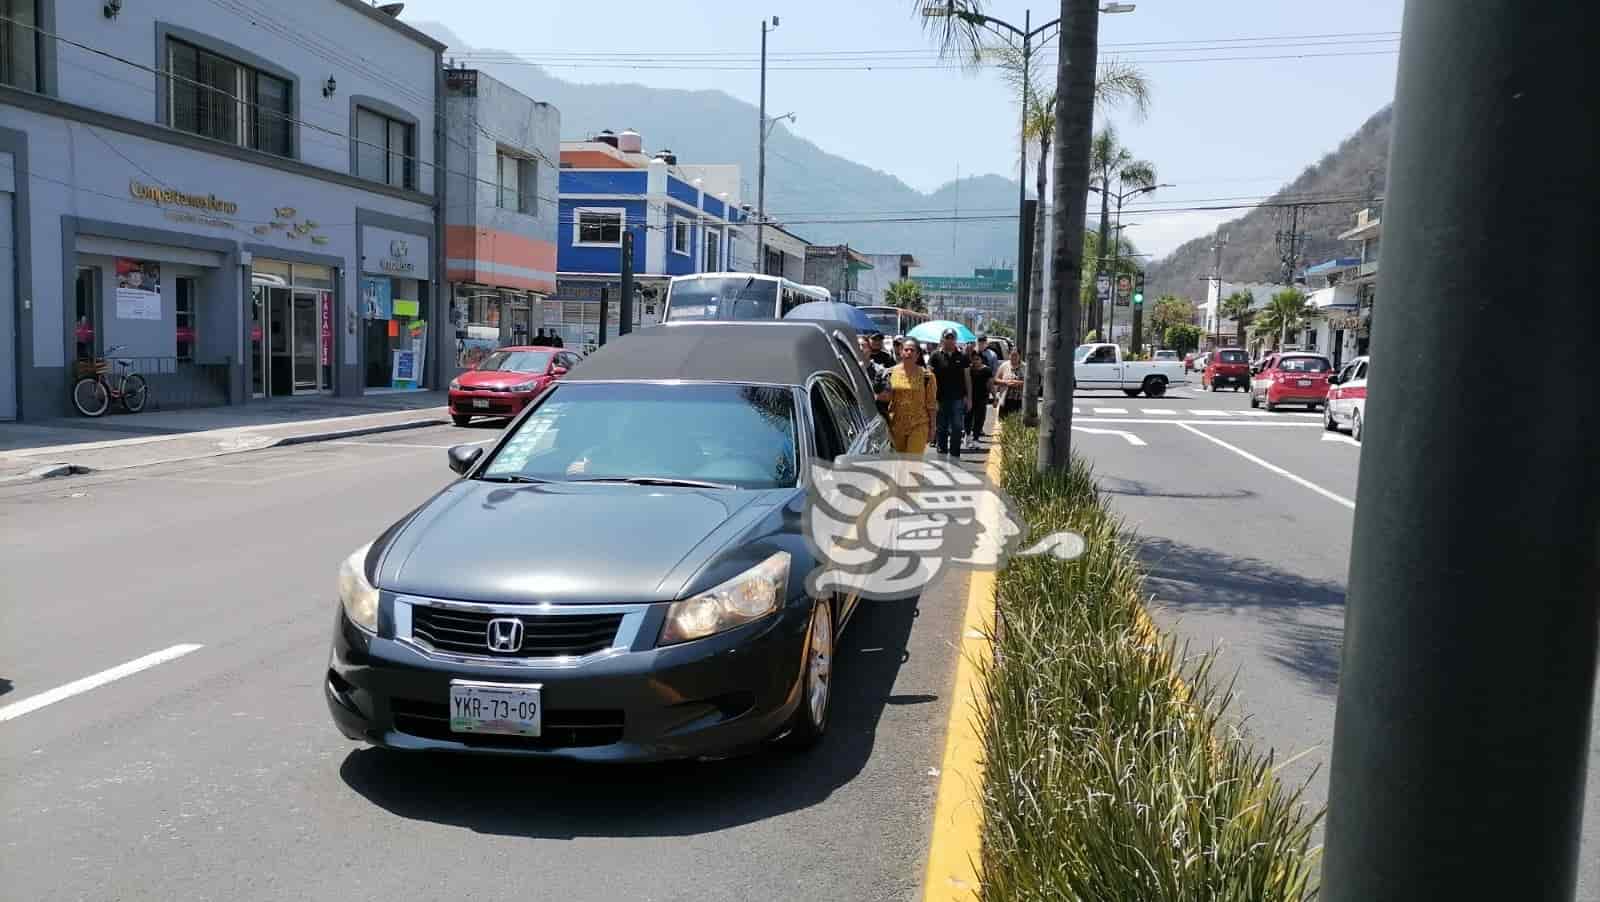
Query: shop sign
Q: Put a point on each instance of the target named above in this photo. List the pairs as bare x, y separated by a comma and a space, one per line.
407, 308
327, 329
169, 196
405, 368
393, 253
138, 289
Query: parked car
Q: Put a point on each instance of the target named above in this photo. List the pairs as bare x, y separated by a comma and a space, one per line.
1101, 366
506, 381
1291, 378
1188, 362
1228, 367
623, 575
1347, 399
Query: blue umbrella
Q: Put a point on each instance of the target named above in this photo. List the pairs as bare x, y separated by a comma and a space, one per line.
833, 311
933, 331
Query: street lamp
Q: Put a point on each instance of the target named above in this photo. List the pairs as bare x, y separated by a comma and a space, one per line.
761, 157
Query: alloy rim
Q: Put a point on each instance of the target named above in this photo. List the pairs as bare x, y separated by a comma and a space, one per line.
819, 666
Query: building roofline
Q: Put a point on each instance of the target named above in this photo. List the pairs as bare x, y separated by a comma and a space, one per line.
378, 15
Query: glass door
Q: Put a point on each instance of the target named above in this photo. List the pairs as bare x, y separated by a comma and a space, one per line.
306, 342
258, 342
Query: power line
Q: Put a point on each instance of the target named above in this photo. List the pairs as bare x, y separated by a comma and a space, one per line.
654, 66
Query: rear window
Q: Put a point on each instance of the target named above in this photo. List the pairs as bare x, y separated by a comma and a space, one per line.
726, 298
1232, 357
1304, 365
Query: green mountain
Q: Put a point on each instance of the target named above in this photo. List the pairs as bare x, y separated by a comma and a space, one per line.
1352, 176
805, 184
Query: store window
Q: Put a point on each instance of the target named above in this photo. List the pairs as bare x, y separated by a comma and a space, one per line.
598, 227
184, 320
216, 97
680, 236
19, 44
518, 184
396, 332
385, 149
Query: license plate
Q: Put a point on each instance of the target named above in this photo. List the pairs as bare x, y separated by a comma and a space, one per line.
1304, 383
510, 709
484, 402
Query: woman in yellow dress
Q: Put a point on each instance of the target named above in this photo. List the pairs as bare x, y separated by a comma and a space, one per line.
913, 402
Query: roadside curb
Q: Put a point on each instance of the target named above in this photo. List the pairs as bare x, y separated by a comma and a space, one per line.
956, 847
54, 470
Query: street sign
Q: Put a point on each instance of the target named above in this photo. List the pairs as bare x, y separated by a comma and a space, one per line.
1124, 289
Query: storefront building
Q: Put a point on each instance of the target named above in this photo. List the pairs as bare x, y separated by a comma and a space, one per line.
226, 240
500, 246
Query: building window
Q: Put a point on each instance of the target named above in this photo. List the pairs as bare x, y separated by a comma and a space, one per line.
713, 250
680, 236
184, 320
19, 44
215, 97
518, 184
599, 227
385, 149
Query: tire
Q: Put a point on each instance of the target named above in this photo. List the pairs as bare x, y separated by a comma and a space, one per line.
1269, 405
90, 397
1132, 392
1327, 420
1215, 387
1355, 424
460, 420
810, 720
1155, 387
1254, 403
135, 393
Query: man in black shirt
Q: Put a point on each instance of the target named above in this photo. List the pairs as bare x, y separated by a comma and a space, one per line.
539, 341
951, 371
875, 351
556, 341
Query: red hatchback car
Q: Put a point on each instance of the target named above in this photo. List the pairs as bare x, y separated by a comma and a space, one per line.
506, 381
1291, 378
1227, 367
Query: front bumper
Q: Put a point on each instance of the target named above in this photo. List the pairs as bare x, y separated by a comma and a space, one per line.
466, 402
701, 698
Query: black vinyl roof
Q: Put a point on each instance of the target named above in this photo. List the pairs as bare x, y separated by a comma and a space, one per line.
775, 352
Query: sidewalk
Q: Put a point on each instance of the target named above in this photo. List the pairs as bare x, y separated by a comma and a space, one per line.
59, 447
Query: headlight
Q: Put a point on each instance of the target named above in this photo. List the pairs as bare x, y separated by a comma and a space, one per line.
455, 384
749, 596
359, 597
525, 386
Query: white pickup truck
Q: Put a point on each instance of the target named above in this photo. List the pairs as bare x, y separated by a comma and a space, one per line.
1101, 367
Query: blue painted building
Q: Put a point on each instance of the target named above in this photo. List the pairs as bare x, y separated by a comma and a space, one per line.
683, 218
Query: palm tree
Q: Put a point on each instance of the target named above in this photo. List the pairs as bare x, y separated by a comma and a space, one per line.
1286, 311
1237, 307
1109, 160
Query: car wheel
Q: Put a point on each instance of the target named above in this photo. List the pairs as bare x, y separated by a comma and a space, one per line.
1327, 420
1269, 405
1355, 424
460, 420
810, 718
1254, 401
1155, 387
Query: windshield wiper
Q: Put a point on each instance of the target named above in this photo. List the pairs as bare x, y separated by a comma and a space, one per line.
511, 477
739, 296
658, 480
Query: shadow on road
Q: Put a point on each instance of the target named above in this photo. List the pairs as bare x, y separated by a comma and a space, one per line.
5, 685
1112, 485
563, 800
1306, 616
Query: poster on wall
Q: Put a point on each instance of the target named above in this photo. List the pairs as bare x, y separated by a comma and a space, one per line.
376, 299
404, 374
138, 289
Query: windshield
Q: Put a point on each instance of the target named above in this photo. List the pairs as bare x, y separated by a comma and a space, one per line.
516, 361
715, 299
1303, 365
740, 435
887, 321
1232, 357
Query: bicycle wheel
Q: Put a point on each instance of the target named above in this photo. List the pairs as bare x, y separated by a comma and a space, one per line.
135, 391
90, 396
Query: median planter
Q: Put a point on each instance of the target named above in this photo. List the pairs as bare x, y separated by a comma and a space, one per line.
1112, 767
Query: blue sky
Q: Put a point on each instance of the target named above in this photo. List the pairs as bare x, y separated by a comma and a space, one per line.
1217, 129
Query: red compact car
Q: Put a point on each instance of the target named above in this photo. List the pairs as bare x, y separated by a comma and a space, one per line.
1227, 367
506, 381
1291, 377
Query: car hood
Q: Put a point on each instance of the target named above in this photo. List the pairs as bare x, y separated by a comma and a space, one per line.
495, 378
564, 542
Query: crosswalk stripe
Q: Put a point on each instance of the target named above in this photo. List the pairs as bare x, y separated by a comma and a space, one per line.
1212, 413
1305, 414
1163, 411
1111, 410
1076, 410
1254, 413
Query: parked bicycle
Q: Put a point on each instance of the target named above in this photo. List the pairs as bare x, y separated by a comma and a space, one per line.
97, 386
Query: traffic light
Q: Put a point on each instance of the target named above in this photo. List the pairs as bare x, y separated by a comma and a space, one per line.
1138, 289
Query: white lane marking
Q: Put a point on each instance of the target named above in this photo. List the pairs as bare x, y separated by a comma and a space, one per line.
76, 687
1212, 413
404, 445
1132, 439
1305, 413
1111, 410
1255, 413
1164, 411
1340, 437
1273, 468
1154, 422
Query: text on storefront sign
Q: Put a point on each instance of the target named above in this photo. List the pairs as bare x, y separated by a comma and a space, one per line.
158, 195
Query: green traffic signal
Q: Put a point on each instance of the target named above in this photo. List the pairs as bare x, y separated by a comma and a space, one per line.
1138, 299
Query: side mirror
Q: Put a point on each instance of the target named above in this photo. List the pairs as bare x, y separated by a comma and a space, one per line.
1334, 379
462, 457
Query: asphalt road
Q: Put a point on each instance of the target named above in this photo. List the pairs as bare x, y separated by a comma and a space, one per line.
217, 774
1243, 520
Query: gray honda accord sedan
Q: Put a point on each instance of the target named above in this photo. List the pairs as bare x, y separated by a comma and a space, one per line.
622, 576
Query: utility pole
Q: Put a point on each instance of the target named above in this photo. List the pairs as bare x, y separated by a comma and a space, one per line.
1466, 690
1024, 278
1216, 273
625, 306
1290, 255
761, 157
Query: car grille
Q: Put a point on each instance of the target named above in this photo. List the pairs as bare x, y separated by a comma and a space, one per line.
577, 728
543, 635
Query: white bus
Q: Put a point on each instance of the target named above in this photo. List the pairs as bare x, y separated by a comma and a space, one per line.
894, 320
734, 296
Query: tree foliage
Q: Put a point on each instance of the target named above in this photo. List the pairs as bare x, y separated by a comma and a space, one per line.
1182, 337
1238, 307
906, 294
1285, 313
1169, 311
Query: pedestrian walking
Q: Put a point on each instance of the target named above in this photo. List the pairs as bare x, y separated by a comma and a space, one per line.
980, 374
911, 396
876, 352
555, 340
951, 371
540, 341
989, 355
1009, 381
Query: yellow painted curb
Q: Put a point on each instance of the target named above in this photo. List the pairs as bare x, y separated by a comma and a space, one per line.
954, 850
